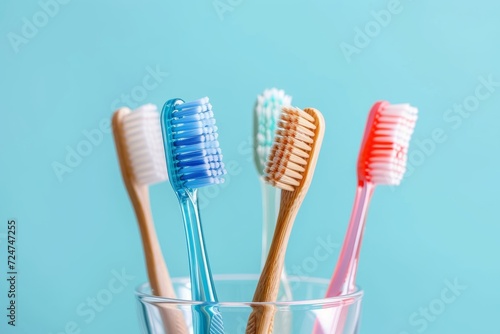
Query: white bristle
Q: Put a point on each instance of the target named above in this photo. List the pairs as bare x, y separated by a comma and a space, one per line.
290, 151
144, 144
268, 109
385, 159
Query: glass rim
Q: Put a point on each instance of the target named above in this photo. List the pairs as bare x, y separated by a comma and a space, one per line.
345, 299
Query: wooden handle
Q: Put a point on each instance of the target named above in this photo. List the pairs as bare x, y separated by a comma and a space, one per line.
261, 318
159, 277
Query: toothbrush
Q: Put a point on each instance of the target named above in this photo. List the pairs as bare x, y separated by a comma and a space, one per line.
290, 167
194, 160
382, 161
142, 162
266, 114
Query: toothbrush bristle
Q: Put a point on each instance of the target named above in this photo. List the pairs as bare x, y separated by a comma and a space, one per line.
144, 145
384, 150
267, 111
195, 148
290, 152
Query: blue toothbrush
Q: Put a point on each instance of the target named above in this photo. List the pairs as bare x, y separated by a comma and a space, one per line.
194, 160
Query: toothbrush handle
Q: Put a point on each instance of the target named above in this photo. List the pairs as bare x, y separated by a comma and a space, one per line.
270, 196
159, 278
270, 203
344, 277
207, 318
262, 317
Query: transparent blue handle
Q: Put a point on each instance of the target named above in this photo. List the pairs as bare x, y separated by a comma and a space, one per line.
201, 276
206, 317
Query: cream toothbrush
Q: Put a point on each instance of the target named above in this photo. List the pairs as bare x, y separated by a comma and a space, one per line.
142, 162
194, 160
290, 167
266, 114
382, 161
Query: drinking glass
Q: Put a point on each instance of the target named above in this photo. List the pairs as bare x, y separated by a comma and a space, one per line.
308, 313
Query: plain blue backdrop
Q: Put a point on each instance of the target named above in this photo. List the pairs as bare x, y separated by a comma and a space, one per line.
65, 67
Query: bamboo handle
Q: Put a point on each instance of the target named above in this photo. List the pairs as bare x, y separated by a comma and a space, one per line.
261, 318
159, 278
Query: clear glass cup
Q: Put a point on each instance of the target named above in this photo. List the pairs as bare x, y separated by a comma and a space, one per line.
308, 313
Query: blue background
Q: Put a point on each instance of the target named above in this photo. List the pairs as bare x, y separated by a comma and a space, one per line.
75, 230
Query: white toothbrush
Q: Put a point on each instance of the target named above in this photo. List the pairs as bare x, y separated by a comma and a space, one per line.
141, 155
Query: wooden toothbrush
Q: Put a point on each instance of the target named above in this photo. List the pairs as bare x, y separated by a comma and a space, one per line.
136, 148
290, 167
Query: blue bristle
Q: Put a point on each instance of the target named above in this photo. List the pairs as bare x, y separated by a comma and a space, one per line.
195, 148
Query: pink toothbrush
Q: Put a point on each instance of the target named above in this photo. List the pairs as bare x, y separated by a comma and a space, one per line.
382, 161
